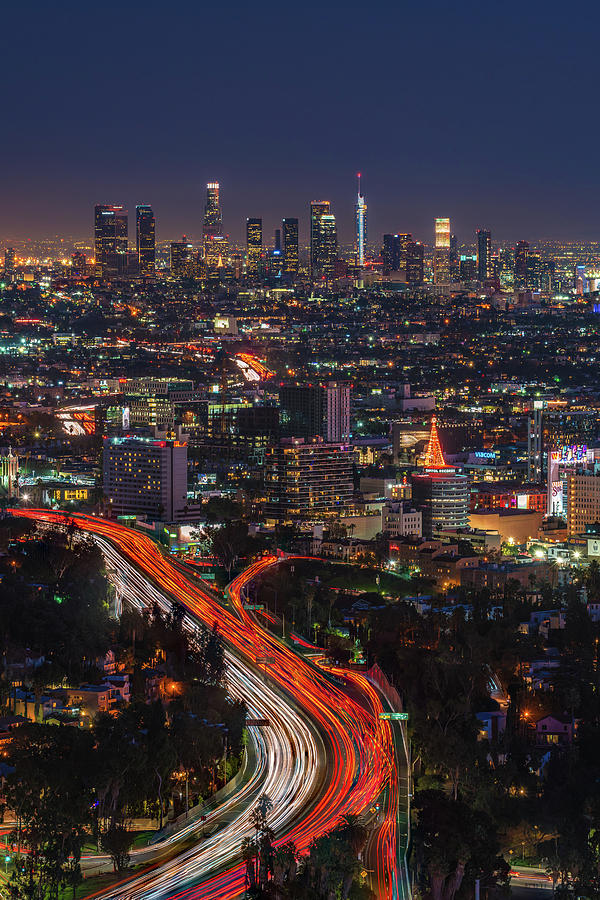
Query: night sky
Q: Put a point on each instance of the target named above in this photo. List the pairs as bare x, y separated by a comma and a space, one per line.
486, 112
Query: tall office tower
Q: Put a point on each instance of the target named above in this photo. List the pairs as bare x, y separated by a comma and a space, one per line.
253, 245
414, 262
521, 255
213, 219
323, 240
441, 253
454, 258
9, 261
277, 240
182, 258
390, 253
145, 240
506, 267
290, 246
484, 254
393, 252
110, 238
535, 450
361, 226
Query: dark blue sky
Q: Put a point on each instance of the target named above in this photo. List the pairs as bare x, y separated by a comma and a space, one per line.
486, 112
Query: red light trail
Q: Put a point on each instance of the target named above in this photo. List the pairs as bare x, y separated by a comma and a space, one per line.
360, 753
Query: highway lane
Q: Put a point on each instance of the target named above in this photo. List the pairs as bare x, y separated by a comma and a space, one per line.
357, 744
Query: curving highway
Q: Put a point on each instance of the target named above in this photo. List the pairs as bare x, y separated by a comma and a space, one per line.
326, 753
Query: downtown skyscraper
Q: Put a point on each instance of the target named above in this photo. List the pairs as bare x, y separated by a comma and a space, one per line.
110, 238
145, 234
484, 255
290, 246
361, 226
213, 217
254, 244
323, 240
441, 253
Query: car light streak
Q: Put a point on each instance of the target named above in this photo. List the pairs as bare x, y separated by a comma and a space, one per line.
325, 754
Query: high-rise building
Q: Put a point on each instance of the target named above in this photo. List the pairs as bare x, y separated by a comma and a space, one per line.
181, 258
216, 251
9, 261
535, 433
146, 475
307, 479
414, 262
441, 492
110, 238
583, 500
315, 409
253, 245
337, 412
521, 256
361, 227
391, 252
323, 240
145, 240
213, 218
484, 254
441, 253
442, 234
290, 246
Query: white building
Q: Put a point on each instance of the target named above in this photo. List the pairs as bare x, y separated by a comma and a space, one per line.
400, 519
144, 474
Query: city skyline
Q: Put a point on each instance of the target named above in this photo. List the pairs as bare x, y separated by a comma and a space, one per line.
485, 165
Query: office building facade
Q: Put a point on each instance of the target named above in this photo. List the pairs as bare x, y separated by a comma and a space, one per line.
290, 246
145, 233
323, 240
146, 475
307, 480
254, 244
111, 238
484, 255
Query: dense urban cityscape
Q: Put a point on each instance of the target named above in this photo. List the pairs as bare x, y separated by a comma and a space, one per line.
299, 454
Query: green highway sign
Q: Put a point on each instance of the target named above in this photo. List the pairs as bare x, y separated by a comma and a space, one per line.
394, 716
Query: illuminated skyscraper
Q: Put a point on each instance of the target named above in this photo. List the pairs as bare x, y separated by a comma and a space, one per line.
361, 226
182, 253
441, 254
145, 240
414, 262
9, 261
323, 240
110, 238
253, 245
290, 246
521, 261
213, 219
484, 254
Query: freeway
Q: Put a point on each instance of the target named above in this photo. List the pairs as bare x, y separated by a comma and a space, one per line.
326, 753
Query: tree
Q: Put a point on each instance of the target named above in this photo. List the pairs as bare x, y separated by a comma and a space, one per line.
52, 796
117, 841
